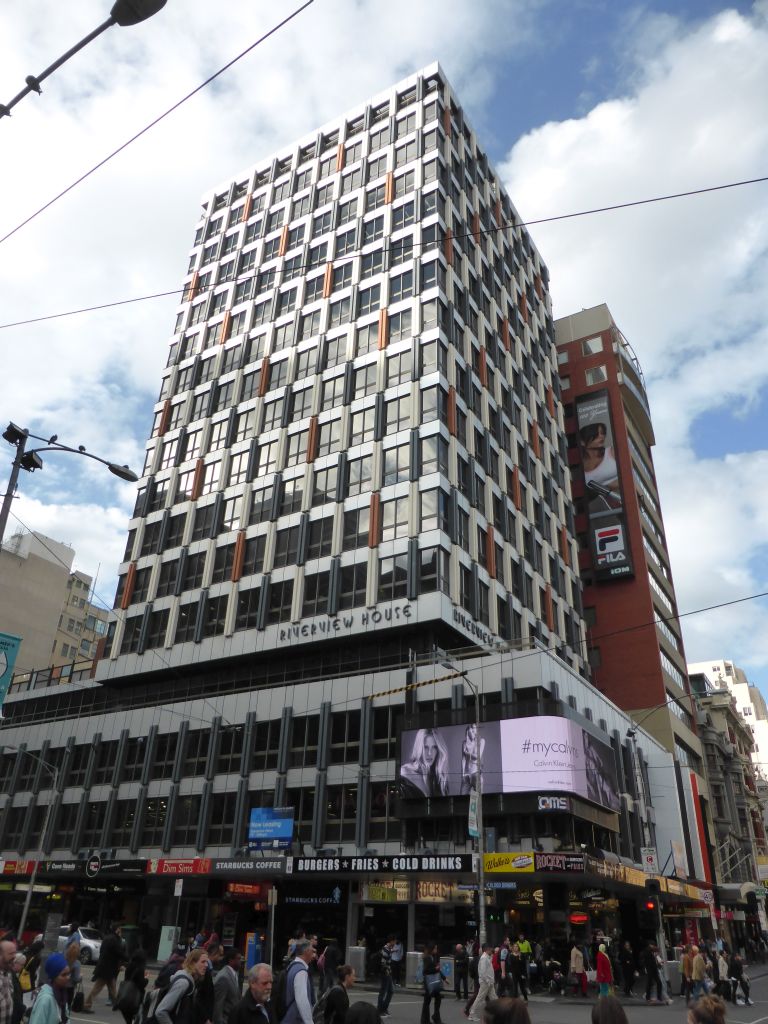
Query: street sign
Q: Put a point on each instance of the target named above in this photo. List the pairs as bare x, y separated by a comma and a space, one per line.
649, 859
178, 887
472, 822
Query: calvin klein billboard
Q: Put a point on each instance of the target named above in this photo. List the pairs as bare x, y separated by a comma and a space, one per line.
519, 755
607, 524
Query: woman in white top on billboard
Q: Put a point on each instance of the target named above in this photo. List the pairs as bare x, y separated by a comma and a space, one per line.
471, 757
427, 770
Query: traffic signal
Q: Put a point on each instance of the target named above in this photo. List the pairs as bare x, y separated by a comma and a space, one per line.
649, 914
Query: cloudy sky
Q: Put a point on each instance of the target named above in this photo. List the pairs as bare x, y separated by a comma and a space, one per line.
581, 104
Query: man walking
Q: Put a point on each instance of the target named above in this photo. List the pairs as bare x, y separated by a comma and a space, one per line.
226, 986
255, 1007
486, 978
387, 987
461, 971
7, 953
111, 959
299, 990
698, 973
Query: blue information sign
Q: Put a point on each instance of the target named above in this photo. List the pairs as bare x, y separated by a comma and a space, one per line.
9, 648
270, 828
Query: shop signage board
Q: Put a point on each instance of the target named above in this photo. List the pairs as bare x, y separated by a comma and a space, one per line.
398, 864
257, 866
386, 890
434, 891
9, 648
509, 863
559, 862
270, 828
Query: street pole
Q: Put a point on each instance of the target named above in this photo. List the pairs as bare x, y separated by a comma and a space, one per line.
30, 887
481, 927
12, 482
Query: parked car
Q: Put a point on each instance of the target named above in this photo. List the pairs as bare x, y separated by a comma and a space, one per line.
90, 947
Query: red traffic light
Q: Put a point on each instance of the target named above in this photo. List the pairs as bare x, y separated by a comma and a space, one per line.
650, 904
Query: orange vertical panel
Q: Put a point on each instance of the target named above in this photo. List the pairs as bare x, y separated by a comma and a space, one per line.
448, 246
389, 187
476, 227
264, 379
237, 561
373, 523
516, 488
226, 326
191, 290
483, 366
312, 439
535, 442
341, 154
505, 333
165, 418
383, 328
248, 206
452, 410
538, 286
549, 609
130, 581
565, 550
283, 241
197, 482
522, 304
328, 280
490, 553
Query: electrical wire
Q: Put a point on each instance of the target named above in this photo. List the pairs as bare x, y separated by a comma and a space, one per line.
157, 120
349, 257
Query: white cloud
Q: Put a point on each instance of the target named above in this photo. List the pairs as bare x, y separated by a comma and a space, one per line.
686, 280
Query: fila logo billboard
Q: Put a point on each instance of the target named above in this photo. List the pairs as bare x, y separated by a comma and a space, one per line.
609, 540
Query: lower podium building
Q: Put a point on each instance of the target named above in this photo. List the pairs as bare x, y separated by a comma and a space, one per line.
142, 809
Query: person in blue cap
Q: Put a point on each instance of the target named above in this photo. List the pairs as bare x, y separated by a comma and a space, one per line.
50, 1005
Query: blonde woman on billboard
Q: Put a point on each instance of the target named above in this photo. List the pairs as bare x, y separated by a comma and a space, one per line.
471, 756
427, 770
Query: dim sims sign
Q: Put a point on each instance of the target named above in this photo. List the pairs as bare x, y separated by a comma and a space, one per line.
519, 755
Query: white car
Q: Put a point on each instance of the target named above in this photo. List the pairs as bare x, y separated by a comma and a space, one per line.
90, 947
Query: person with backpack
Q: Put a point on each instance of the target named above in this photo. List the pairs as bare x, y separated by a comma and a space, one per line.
333, 1005
256, 1005
387, 986
177, 1005
295, 995
50, 1005
130, 995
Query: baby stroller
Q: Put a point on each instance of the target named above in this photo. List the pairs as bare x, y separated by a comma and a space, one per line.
554, 977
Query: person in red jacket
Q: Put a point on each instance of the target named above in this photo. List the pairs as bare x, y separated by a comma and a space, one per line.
604, 971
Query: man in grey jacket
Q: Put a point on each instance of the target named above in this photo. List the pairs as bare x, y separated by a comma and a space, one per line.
226, 986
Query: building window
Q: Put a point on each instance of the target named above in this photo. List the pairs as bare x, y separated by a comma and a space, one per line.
362, 425
393, 577
280, 600
247, 609
196, 756
398, 414
324, 485
356, 526
596, 375
222, 822
591, 346
193, 571
261, 505
186, 818
329, 437
266, 742
165, 755
394, 519
223, 561
397, 464
185, 627
435, 510
155, 813
315, 594
320, 540
434, 571
352, 585
286, 547
359, 475
291, 496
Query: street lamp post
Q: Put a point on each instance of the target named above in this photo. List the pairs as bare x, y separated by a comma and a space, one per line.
481, 927
123, 13
52, 768
30, 460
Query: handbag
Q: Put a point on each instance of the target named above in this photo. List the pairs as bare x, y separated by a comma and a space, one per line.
78, 1000
128, 997
433, 983
24, 980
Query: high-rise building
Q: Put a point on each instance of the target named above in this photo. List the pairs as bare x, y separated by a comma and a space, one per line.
358, 432
634, 638
750, 702
82, 623
350, 578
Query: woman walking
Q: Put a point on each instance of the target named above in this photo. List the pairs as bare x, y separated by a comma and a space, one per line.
604, 971
433, 984
72, 955
50, 1006
179, 999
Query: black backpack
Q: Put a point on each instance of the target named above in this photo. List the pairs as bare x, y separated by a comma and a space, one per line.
281, 996
321, 1006
160, 990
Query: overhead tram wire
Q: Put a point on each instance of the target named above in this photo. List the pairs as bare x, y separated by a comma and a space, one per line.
348, 257
158, 119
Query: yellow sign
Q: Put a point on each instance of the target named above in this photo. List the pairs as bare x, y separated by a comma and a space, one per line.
386, 890
509, 863
442, 892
